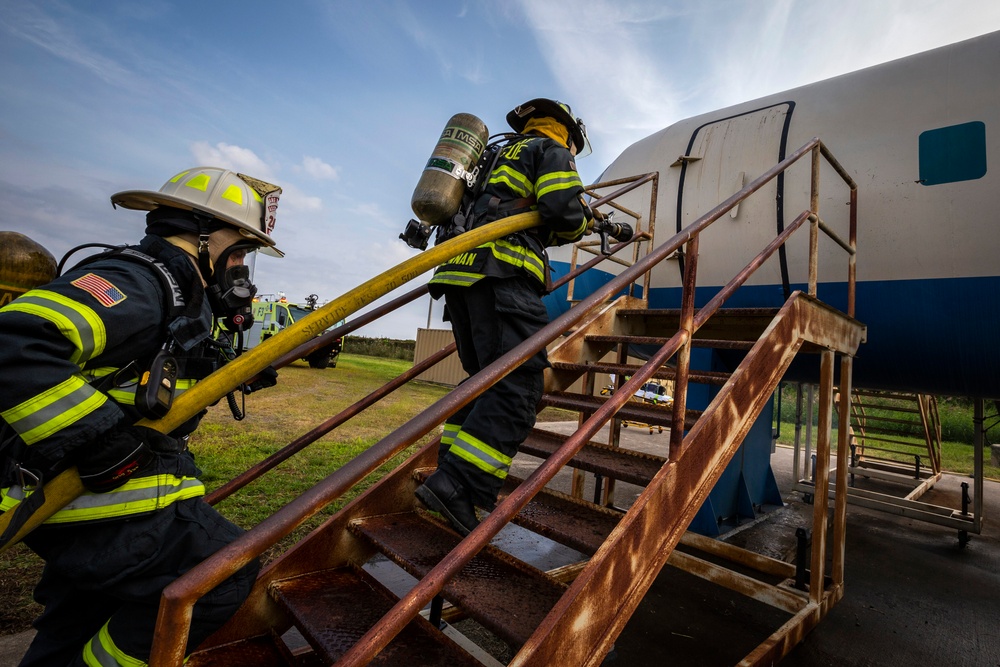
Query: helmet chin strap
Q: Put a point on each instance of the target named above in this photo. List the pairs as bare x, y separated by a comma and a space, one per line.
204, 255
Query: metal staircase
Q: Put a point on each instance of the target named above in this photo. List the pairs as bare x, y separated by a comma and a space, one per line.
323, 586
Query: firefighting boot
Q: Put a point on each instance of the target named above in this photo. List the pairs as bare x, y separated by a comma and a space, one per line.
443, 494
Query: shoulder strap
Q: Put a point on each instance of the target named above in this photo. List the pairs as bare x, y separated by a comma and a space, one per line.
463, 219
172, 294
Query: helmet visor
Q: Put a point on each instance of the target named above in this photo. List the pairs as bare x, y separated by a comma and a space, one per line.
586, 150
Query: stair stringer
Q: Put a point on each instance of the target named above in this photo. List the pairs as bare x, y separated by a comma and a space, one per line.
582, 627
328, 546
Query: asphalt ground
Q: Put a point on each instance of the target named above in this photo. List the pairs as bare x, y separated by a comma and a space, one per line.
913, 596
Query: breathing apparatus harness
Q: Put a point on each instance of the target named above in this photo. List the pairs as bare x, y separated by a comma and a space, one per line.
230, 294
476, 181
417, 233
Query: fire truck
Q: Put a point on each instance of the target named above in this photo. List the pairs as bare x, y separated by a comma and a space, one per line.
273, 312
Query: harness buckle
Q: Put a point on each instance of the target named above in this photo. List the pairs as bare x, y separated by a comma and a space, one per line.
22, 473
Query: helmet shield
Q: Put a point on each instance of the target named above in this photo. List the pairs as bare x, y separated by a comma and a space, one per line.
247, 203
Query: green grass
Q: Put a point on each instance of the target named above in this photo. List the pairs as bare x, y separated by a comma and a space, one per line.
303, 399
223, 447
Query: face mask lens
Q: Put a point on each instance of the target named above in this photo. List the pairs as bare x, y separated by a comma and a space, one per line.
232, 295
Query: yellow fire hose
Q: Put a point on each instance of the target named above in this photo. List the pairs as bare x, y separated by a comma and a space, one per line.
66, 486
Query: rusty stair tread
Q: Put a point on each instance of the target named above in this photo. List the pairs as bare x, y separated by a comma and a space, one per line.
699, 341
725, 324
334, 608
722, 312
561, 518
884, 408
615, 462
637, 411
664, 373
261, 651
861, 420
505, 595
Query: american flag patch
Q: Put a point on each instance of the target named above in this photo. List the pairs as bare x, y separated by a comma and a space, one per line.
100, 289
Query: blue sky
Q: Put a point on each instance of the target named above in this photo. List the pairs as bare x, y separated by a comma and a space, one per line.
341, 102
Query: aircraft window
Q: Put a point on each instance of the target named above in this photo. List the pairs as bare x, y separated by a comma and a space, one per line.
954, 153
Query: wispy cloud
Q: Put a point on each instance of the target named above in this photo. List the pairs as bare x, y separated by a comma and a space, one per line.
318, 169
28, 22
231, 157
634, 67
459, 57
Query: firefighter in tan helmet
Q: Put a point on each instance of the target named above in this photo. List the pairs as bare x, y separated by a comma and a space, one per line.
74, 358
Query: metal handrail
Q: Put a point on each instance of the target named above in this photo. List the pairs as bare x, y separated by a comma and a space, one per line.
180, 596
173, 620
630, 183
430, 585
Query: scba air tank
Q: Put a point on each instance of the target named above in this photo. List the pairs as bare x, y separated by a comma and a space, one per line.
439, 191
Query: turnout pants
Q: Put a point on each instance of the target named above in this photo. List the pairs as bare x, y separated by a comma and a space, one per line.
489, 318
102, 582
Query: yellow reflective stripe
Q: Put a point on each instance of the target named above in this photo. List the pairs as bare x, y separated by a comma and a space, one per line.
136, 496
557, 180
180, 176
10, 497
513, 179
471, 449
449, 433
79, 324
234, 194
459, 278
101, 651
519, 257
124, 396
199, 182
54, 409
575, 234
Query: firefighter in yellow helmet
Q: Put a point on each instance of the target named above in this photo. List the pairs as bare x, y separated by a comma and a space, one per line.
493, 300
71, 356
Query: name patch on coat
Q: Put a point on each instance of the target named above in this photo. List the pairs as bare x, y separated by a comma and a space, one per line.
100, 289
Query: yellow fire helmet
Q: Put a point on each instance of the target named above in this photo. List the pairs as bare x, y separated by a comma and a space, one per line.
247, 203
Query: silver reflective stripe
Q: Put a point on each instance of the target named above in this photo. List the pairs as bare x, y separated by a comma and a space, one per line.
137, 496
125, 495
455, 278
478, 457
101, 651
100, 655
449, 433
59, 413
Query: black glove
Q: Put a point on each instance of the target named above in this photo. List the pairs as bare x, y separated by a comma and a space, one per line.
114, 456
266, 378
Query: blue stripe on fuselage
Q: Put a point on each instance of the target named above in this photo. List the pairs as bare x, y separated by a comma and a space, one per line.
939, 336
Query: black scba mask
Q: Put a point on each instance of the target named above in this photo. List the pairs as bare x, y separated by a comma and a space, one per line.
231, 293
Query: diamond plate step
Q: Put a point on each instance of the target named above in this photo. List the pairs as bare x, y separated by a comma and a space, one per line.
333, 609
507, 596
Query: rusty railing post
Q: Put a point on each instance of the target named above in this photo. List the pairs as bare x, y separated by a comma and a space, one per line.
679, 410
814, 223
821, 488
840, 495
